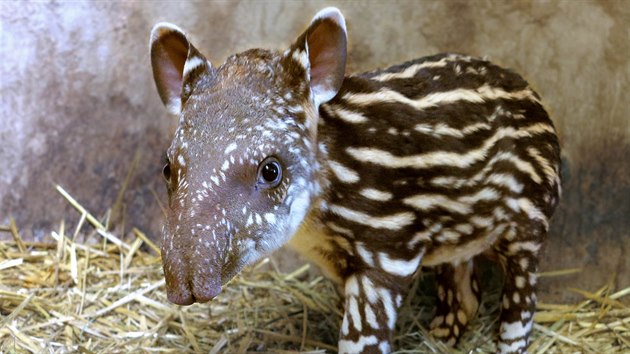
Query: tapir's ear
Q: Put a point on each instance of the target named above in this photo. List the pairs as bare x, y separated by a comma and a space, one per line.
321, 50
177, 65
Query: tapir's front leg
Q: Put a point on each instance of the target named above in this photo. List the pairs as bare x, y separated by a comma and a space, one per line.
372, 300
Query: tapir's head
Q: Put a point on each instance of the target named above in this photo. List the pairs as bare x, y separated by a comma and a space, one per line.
241, 170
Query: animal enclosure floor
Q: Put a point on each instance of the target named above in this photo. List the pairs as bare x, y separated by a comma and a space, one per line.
106, 294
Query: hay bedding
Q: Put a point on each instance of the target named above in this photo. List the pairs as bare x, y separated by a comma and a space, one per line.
106, 295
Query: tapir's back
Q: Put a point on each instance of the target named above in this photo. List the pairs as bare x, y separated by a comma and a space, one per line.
437, 151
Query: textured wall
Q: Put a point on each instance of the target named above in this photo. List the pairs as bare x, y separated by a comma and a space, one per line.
78, 101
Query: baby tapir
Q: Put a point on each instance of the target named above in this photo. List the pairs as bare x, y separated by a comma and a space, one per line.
427, 163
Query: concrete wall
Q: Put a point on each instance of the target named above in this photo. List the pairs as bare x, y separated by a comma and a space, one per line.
78, 101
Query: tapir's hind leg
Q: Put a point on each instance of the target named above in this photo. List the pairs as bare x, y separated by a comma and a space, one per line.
518, 255
458, 300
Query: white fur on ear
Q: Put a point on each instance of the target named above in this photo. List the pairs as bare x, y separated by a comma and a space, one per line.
162, 28
192, 63
327, 63
174, 60
174, 106
334, 14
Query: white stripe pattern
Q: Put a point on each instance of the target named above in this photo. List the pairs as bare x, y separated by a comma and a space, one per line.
346, 115
343, 173
412, 70
479, 95
442, 129
399, 267
452, 159
390, 222
462, 205
376, 194
191, 64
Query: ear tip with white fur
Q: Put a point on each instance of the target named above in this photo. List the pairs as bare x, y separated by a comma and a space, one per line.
332, 13
162, 28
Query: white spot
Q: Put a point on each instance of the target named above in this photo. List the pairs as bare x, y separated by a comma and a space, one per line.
422, 236
376, 194
400, 267
181, 160
528, 207
343, 173
532, 279
347, 116
388, 304
524, 263
230, 148
338, 229
302, 58
350, 347
505, 180
465, 229
365, 255
352, 286
370, 317
271, 218
448, 236
481, 221
353, 309
548, 170
519, 281
515, 330
250, 220
531, 246
369, 290
344, 325
174, 106
299, 207
427, 202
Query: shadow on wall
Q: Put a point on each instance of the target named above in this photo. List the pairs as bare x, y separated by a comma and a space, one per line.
78, 101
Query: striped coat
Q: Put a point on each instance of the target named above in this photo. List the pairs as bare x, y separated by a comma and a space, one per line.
429, 163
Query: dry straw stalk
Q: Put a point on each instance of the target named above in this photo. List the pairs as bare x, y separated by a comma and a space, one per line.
106, 295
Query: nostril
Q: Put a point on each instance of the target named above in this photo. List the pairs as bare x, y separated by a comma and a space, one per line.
180, 297
178, 288
205, 289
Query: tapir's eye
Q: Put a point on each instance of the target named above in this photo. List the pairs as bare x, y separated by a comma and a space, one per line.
269, 173
166, 172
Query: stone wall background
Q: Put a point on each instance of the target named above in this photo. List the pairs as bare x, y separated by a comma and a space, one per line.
77, 100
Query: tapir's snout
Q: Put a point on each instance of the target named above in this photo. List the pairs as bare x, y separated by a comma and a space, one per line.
192, 272
188, 291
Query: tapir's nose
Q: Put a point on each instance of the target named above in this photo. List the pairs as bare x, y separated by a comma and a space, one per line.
178, 294
191, 284
206, 289
193, 274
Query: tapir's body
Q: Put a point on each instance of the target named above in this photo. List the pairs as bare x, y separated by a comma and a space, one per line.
431, 162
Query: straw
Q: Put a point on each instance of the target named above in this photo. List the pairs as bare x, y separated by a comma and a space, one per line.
107, 295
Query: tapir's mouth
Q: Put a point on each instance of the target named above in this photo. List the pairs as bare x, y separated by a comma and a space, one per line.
186, 288
199, 275
187, 293
190, 280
